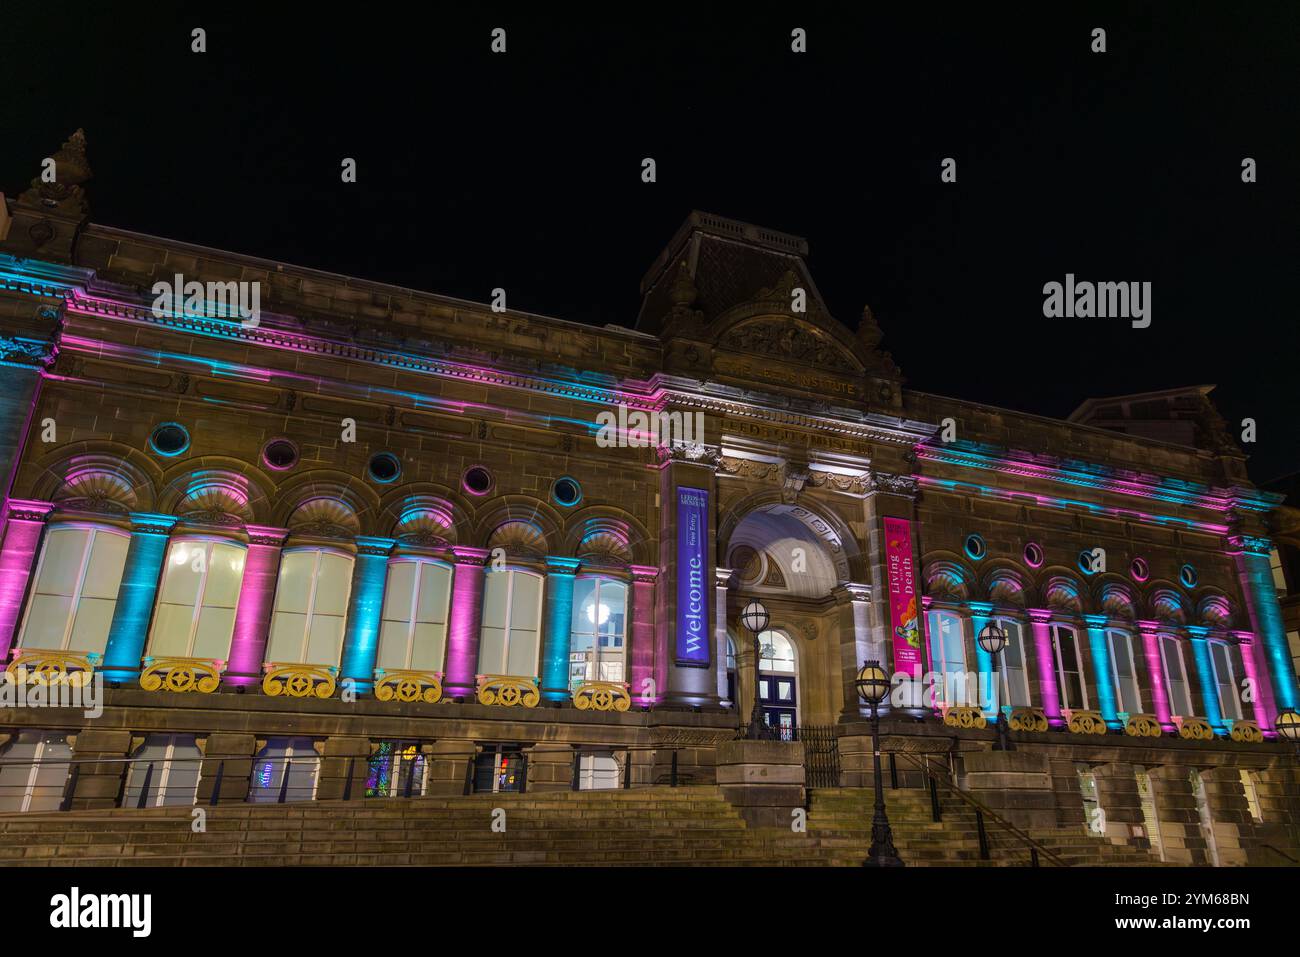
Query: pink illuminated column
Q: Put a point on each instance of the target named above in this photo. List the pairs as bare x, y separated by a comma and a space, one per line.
1156, 672
1045, 654
647, 680
1254, 659
256, 601
23, 526
466, 622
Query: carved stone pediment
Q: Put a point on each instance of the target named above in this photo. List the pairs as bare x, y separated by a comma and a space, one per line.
787, 340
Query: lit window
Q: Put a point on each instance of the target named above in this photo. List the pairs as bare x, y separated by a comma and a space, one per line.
413, 633
1180, 696
1225, 679
396, 768
1011, 666
311, 601
294, 756
597, 771
948, 657
1124, 671
196, 604
77, 579
175, 760
34, 771
1252, 794
598, 629
512, 616
1069, 669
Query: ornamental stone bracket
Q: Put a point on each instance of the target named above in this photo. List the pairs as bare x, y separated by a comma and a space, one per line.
299, 680
904, 486
1082, 721
1142, 726
507, 691
1194, 729
1247, 732
408, 686
44, 666
965, 716
1027, 719
690, 453
202, 675
602, 696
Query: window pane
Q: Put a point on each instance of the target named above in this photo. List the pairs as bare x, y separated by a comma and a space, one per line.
397, 591
525, 611
435, 588
494, 599
90, 628
334, 582
181, 580
491, 654
225, 575
212, 639
104, 573
294, 588
430, 639
61, 561
326, 640
585, 613
393, 637
523, 652
287, 631
47, 621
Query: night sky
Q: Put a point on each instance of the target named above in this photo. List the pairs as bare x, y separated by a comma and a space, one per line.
523, 170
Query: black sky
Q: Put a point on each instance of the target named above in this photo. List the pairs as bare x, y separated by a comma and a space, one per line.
479, 170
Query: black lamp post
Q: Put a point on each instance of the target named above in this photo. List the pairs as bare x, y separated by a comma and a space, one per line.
873, 688
1288, 727
755, 618
993, 638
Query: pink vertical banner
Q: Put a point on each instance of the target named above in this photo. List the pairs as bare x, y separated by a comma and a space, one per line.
904, 608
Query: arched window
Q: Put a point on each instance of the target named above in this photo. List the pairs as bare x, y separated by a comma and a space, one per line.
311, 600
76, 586
196, 603
1222, 657
778, 653
778, 682
1123, 671
512, 618
1180, 695
1069, 668
1014, 673
413, 633
597, 632
948, 658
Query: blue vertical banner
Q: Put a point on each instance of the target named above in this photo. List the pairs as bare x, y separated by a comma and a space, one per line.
693, 627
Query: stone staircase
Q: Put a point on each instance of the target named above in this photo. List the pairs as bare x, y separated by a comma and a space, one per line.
657, 826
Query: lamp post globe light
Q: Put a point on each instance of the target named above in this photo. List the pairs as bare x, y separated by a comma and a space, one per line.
754, 618
873, 687
993, 638
1288, 727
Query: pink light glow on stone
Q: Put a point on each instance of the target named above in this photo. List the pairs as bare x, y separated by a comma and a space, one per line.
256, 601
17, 559
466, 621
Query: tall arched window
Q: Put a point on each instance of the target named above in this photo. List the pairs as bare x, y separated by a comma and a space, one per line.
778, 682
311, 601
510, 641
75, 593
1123, 671
413, 633
196, 603
1225, 678
597, 631
1069, 667
1014, 674
948, 658
1180, 695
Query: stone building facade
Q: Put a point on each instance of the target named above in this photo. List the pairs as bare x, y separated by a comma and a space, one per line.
370, 525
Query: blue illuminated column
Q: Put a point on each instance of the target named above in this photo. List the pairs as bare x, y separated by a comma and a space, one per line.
365, 608
990, 685
1205, 677
1256, 577
135, 597
559, 621
1103, 677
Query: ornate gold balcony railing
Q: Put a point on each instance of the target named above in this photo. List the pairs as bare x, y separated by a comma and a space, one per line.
508, 691
299, 681
1247, 731
1142, 726
1195, 729
1027, 719
1082, 721
49, 667
408, 685
965, 716
182, 674
602, 696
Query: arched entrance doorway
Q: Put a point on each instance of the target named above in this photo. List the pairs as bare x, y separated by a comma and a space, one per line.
778, 686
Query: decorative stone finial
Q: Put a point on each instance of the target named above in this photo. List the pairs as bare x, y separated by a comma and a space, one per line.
683, 293
71, 170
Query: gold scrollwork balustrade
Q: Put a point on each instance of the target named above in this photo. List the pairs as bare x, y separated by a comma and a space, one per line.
965, 716
1247, 731
45, 666
508, 691
1027, 719
202, 675
299, 681
1142, 726
1195, 729
1085, 722
602, 696
398, 684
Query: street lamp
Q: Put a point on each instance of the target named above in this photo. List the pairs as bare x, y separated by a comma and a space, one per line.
873, 688
754, 618
1288, 727
993, 638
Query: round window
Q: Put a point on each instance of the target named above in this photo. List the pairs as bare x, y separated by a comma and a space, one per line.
1139, 569
1187, 575
280, 454
567, 491
477, 480
1033, 555
384, 467
975, 547
170, 438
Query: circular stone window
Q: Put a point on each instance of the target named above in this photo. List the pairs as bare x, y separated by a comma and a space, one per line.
1187, 575
477, 480
567, 491
384, 467
170, 438
280, 454
975, 547
1033, 555
1088, 562
1139, 569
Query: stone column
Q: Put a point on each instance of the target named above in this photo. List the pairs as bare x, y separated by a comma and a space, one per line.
233, 754
1180, 823
1209, 689
857, 645
1156, 672
685, 598
450, 765
24, 522
365, 611
1253, 661
1040, 624
338, 755
1251, 554
466, 622
1103, 678
550, 767
98, 784
141, 576
721, 577
1121, 806
256, 601
557, 636
649, 673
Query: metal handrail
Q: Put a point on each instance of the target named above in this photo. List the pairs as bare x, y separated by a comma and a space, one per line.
1280, 852
1035, 848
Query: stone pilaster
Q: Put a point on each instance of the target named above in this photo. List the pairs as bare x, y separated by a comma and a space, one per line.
233, 754
450, 764
857, 644
99, 782
550, 767
338, 755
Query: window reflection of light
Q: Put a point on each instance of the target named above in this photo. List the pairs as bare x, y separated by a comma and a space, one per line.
180, 556
604, 614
